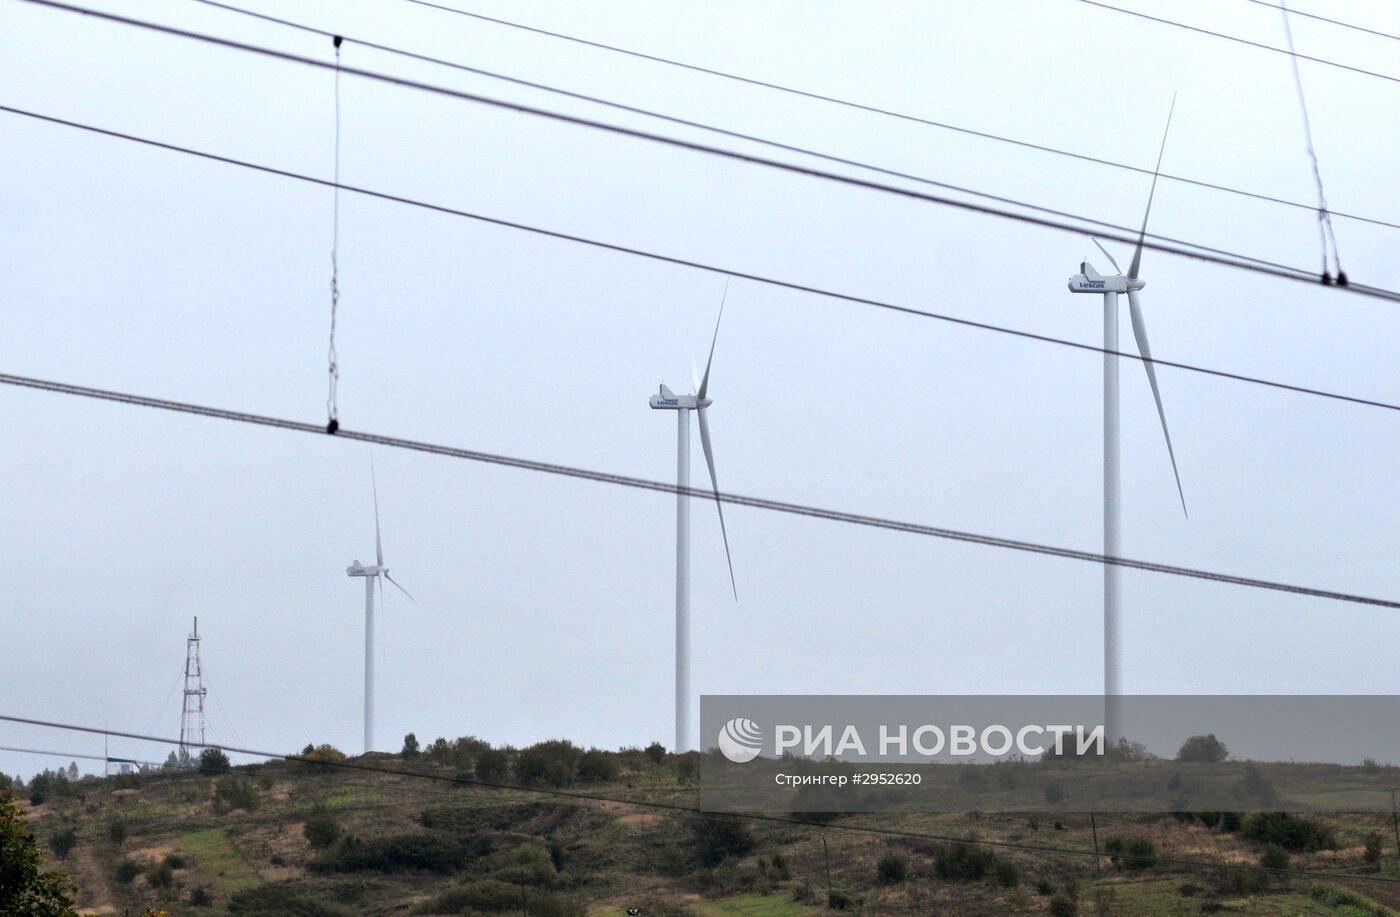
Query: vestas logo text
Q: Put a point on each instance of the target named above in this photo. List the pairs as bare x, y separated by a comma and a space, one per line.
667, 402
1091, 284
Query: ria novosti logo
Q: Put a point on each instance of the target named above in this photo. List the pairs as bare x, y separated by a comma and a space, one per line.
740, 740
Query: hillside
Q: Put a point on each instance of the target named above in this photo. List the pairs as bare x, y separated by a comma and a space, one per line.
241, 843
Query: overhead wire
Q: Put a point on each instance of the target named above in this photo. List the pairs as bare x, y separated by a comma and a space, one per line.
797, 509
1337, 22
1238, 40
728, 271
1294, 274
834, 100
583, 796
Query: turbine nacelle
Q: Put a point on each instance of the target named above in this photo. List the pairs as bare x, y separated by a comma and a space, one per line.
359, 569
1089, 280
667, 400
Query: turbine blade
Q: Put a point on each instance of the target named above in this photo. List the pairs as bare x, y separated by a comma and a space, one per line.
1107, 255
378, 548
714, 482
397, 586
705, 382
1137, 253
694, 374
1140, 332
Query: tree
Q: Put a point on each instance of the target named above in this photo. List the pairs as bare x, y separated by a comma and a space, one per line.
116, 830
1206, 749
597, 766
64, 841
72, 770
410, 746
321, 828
25, 888
212, 760
656, 752
171, 762
492, 765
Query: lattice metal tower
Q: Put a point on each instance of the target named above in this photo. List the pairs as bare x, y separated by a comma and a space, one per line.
192, 719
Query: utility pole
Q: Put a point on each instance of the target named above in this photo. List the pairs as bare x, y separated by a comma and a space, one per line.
192, 717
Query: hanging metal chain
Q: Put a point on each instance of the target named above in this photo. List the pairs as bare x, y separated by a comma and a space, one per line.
332, 405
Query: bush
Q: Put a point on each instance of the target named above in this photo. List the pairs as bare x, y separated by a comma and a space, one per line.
126, 870
200, 897
280, 899
781, 870
1054, 793
410, 746
597, 766
687, 768
1205, 749
64, 841
428, 852
655, 752
117, 830
1372, 843
320, 758
1289, 831
966, 862
160, 875
213, 761
1131, 853
493, 896
721, 836
321, 828
1274, 857
233, 792
175, 860
492, 765
891, 868
549, 763
1063, 905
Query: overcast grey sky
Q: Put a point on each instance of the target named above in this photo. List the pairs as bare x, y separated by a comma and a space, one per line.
546, 605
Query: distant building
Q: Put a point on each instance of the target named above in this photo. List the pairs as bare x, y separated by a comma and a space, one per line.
118, 766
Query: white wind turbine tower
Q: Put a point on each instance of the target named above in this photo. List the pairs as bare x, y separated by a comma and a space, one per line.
372, 574
683, 405
1090, 281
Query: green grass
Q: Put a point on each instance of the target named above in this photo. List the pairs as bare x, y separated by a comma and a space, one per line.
216, 857
1160, 898
774, 905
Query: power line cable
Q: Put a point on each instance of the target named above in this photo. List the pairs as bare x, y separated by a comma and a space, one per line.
604, 477
726, 132
581, 796
1337, 22
1295, 274
1243, 41
846, 103
709, 268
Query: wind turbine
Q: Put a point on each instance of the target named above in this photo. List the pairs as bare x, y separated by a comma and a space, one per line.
371, 574
683, 405
1089, 280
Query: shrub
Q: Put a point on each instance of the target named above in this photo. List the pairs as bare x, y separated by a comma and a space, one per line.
280, 899
781, 870
492, 765
1289, 831
839, 900
321, 758
117, 830
1131, 853
64, 841
719, 837
655, 752
1004, 873
160, 875
891, 868
1206, 749
200, 897
961, 861
213, 761
175, 860
687, 768
233, 792
597, 766
321, 828
410, 746
493, 896
126, 782
1372, 843
428, 852
126, 870
1274, 857
1054, 793
549, 763
1063, 905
